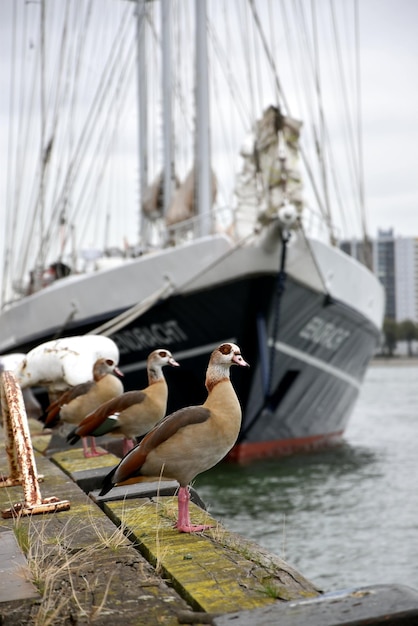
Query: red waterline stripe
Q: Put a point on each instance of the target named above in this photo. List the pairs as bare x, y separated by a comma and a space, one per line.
281, 447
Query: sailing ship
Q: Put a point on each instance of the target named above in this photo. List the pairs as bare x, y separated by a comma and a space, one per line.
306, 316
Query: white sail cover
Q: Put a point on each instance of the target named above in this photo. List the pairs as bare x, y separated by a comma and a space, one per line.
65, 362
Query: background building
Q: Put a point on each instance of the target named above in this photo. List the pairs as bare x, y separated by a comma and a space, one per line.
406, 263
395, 262
384, 268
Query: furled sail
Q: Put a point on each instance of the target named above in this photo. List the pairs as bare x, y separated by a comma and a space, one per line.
183, 205
270, 175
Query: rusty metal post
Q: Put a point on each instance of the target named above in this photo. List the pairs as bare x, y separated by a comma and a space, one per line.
14, 475
19, 446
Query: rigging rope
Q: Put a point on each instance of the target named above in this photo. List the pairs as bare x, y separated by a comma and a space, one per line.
322, 126
81, 147
112, 326
8, 244
287, 109
352, 162
74, 166
367, 245
22, 164
231, 79
94, 116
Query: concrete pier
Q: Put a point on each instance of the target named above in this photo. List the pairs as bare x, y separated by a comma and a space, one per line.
119, 557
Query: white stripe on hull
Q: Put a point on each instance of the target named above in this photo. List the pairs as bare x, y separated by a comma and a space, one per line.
315, 362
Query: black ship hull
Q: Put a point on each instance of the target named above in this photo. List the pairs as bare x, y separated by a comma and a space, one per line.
308, 355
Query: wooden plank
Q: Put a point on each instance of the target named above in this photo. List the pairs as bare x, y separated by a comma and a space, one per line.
14, 572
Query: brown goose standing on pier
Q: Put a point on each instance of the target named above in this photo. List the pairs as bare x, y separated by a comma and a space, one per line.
73, 405
133, 413
190, 440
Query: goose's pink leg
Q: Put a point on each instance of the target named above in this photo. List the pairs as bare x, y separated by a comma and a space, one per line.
128, 444
183, 522
93, 450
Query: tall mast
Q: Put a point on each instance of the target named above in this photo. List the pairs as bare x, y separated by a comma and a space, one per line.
202, 156
41, 254
142, 107
168, 169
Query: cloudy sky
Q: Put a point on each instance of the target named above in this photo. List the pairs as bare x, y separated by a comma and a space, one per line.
390, 97
389, 64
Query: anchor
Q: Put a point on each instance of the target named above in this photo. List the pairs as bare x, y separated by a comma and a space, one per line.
21, 458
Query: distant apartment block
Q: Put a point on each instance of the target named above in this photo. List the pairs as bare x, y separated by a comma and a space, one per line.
395, 262
406, 278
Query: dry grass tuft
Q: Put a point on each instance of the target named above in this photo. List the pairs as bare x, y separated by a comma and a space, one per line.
69, 580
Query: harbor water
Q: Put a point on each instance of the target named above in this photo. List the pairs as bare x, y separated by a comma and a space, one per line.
344, 518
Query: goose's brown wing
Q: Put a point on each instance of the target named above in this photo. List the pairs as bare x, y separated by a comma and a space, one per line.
54, 408
131, 464
115, 405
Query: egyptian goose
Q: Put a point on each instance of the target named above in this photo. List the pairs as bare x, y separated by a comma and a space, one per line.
192, 439
73, 405
133, 413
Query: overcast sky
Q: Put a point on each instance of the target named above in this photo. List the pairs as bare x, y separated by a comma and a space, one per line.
389, 60
390, 95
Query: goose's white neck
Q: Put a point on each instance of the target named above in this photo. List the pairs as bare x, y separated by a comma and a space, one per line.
155, 373
216, 373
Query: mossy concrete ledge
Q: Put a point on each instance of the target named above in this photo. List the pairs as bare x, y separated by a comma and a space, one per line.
83, 568
124, 559
216, 572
